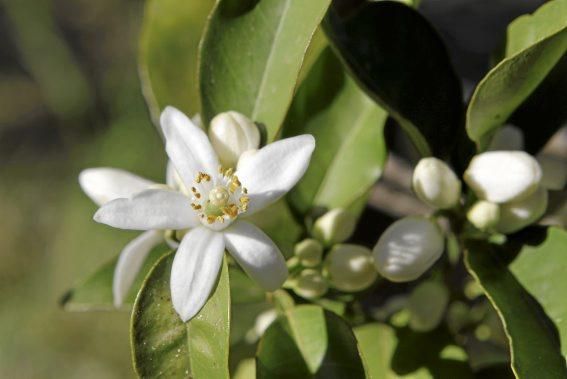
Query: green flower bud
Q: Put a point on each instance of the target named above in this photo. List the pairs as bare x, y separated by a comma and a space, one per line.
484, 215
503, 176
232, 134
350, 267
408, 248
335, 226
309, 252
310, 284
427, 304
519, 214
436, 184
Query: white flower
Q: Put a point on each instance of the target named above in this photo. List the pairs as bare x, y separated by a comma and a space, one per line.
519, 214
106, 184
350, 267
484, 214
214, 209
335, 226
408, 248
231, 135
503, 176
436, 184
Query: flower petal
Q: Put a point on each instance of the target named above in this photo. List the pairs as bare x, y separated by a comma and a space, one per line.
257, 254
187, 146
195, 269
104, 184
130, 261
272, 171
150, 209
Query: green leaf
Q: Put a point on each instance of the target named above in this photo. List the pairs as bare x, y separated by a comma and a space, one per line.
251, 56
533, 343
535, 45
169, 43
541, 270
348, 127
401, 62
400, 353
95, 292
309, 342
165, 346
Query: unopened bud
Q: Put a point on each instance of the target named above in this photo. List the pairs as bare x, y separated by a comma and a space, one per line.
436, 184
310, 284
427, 304
309, 252
519, 214
484, 215
232, 134
408, 248
554, 171
507, 138
503, 176
350, 267
335, 226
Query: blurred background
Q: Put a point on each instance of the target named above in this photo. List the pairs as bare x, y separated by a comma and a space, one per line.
70, 98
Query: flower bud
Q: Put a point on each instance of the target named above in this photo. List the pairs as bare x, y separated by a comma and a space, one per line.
335, 226
309, 252
507, 138
231, 134
408, 248
519, 214
436, 184
427, 304
310, 284
554, 171
350, 267
503, 176
484, 215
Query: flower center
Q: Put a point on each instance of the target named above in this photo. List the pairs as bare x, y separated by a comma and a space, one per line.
218, 198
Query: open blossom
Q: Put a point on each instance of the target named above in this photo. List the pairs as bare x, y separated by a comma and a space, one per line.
214, 209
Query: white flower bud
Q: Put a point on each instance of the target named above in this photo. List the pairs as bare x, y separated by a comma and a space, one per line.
519, 214
231, 134
436, 184
309, 252
484, 215
263, 321
350, 267
408, 248
310, 284
554, 171
507, 138
503, 176
427, 304
335, 226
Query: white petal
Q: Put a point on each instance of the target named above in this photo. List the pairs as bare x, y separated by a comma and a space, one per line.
130, 261
257, 254
503, 176
195, 269
105, 184
187, 146
150, 209
272, 171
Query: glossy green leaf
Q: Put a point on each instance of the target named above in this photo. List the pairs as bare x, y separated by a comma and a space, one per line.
95, 292
251, 56
164, 346
533, 342
541, 270
535, 45
401, 353
169, 42
401, 62
309, 342
348, 128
